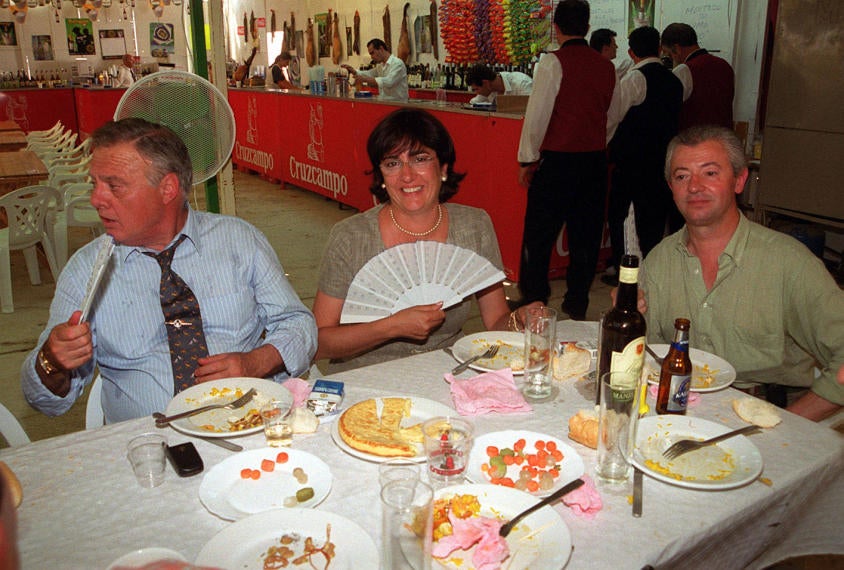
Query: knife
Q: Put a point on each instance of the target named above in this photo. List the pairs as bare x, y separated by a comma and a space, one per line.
637, 492
222, 443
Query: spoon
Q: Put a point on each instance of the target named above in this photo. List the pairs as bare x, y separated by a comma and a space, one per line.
565, 490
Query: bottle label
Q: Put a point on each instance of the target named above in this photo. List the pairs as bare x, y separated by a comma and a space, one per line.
678, 393
631, 360
628, 275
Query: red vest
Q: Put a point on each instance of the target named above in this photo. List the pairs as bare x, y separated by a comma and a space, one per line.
579, 120
711, 101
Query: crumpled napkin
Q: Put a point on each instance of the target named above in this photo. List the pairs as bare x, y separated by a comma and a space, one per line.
487, 393
694, 397
585, 501
300, 390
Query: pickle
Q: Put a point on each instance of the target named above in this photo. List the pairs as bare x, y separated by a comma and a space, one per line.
304, 494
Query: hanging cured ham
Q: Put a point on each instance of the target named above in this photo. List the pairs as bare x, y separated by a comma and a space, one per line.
245, 29
356, 44
336, 46
435, 34
272, 23
310, 54
388, 36
404, 39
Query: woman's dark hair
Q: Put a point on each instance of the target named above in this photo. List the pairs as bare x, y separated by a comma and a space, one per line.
410, 129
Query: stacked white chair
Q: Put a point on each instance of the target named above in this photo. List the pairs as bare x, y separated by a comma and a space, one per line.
11, 429
64, 142
75, 210
53, 132
26, 210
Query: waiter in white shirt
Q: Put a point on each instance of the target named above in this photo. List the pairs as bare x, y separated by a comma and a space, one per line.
488, 84
389, 75
125, 73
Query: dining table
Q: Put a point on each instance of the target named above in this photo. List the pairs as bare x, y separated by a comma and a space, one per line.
12, 140
20, 168
82, 507
9, 126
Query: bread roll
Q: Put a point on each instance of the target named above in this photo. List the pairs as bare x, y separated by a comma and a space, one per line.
303, 420
14, 485
757, 412
583, 428
572, 362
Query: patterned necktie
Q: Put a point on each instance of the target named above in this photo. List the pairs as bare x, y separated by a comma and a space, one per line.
183, 320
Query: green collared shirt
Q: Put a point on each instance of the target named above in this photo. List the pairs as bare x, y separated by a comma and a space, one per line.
773, 311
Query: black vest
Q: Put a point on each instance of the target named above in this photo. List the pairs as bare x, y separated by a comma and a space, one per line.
646, 129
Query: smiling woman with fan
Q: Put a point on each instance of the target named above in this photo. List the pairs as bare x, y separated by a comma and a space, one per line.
395, 280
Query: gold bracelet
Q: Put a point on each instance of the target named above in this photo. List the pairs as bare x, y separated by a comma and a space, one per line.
513, 322
48, 367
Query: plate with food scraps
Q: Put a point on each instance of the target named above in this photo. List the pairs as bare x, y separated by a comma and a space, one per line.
262, 479
533, 462
421, 409
222, 422
725, 465
710, 373
541, 541
278, 537
511, 351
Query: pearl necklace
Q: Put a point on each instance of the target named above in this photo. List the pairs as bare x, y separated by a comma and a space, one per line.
419, 234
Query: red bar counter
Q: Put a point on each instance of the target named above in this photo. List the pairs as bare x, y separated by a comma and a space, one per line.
39, 109
95, 106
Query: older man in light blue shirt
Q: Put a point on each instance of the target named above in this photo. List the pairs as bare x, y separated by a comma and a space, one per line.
254, 323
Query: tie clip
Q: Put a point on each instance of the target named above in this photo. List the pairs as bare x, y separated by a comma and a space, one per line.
178, 323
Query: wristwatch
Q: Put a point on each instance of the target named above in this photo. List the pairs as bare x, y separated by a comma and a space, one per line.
45, 363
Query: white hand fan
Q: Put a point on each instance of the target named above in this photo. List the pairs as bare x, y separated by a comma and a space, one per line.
417, 273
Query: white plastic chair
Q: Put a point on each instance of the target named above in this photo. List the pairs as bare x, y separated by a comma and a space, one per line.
74, 211
26, 212
65, 143
67, 157
53, 133
11, 428
94, 416
69, 173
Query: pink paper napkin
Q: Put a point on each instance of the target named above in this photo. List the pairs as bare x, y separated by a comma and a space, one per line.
300, 390
487, 393
694, 397
585, 501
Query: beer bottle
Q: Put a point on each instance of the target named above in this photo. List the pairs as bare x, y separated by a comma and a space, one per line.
621, 344
675, 378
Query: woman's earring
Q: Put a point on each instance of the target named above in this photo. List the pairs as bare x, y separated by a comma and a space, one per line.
444, 178
384, 186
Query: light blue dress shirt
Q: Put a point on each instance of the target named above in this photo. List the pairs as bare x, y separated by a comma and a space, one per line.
245, 299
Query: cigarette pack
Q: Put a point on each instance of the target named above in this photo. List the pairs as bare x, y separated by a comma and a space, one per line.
325, 398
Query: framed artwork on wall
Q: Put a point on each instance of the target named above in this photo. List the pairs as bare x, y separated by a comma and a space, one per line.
80, 36
42, 48
161, 40
112, 43
323, 39
8, 36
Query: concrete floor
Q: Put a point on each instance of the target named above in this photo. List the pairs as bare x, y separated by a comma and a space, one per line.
295, 221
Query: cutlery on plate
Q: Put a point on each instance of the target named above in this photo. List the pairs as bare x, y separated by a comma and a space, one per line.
687, 445
564, 490
161, 420
224, 443
489, 353
637, 492
656, 357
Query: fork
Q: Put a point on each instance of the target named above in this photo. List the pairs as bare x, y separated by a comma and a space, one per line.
161, 420
687, 445
489, 353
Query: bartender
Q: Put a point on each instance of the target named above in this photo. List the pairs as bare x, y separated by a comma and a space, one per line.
125, 73
280, 70
389, 75
489, 84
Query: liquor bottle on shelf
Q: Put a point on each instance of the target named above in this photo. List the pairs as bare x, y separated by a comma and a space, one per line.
675, 377
621, 344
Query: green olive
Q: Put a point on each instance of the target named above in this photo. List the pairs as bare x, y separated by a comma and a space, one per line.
305, 494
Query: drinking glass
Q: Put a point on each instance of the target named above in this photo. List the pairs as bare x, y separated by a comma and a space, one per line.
407, 510
448, 442
617, 416
540, 344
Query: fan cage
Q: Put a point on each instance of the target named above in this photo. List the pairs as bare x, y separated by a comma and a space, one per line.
193, 108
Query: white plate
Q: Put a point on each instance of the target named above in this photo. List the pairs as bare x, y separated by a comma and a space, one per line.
722, 372
548, 549
226, 494
512, 347
704, 468
143, 556
201, 395
571, 466
242, 545
421, 409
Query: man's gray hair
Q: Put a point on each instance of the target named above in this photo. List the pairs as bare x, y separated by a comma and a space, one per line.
694, 136
163, 148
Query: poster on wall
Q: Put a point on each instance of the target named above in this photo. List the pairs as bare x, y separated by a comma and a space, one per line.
112, 43
323, 40
80, 36
42, 48
641, 14
161, 40
8, 36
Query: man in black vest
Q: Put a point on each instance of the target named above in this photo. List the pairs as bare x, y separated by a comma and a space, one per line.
650, 101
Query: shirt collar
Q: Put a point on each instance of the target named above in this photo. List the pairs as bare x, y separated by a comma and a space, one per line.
735, 247
646, 61
190, 230
694, 54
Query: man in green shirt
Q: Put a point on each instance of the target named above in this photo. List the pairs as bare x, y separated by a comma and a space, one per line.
756, 297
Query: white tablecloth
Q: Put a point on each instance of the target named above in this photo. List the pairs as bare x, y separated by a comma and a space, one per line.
82, 507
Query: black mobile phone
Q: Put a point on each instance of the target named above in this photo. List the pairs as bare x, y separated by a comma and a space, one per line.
185, 459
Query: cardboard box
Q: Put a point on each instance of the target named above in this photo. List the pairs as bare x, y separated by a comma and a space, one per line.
511, 103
